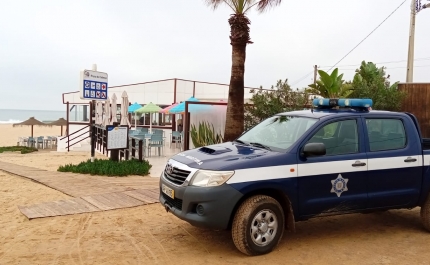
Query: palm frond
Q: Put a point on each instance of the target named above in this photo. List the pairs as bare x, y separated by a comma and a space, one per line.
264, 5
214, 3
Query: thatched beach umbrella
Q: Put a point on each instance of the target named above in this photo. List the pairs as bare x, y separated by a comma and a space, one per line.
31, 122
60, 122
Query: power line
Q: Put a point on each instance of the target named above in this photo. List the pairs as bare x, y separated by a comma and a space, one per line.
353, 69
389, 62
397, 67
302, 78
369, 34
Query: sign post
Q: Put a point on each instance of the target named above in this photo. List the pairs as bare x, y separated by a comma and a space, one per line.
93, 86
117, 139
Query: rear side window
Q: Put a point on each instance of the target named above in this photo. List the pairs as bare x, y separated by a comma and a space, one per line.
386, 134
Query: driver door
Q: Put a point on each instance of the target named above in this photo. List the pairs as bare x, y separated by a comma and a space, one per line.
337, 181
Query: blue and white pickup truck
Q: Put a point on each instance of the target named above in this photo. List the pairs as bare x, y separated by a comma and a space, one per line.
340, 157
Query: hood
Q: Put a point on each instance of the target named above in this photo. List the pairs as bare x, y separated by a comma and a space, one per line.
231, 156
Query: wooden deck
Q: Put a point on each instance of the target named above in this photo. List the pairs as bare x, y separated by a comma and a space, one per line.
91, 193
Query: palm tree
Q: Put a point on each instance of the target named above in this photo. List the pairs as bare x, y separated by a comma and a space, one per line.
239, 38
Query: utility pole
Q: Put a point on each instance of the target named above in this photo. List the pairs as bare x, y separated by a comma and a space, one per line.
415, 8
410, 68
315, 74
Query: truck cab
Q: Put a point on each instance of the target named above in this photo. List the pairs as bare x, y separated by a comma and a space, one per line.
337, 158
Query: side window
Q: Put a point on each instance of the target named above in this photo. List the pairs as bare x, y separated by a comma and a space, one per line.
338, 137
386, 134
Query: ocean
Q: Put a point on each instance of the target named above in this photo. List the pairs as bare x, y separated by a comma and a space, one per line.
15, 116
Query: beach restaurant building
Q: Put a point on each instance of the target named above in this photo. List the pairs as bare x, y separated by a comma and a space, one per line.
163, 93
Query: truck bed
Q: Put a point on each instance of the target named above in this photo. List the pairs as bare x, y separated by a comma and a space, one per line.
426, 143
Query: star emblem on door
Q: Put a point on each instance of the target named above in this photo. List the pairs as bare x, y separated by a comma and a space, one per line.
339, 185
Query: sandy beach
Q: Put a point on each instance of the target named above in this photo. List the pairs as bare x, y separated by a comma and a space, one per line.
149, 235
9, 134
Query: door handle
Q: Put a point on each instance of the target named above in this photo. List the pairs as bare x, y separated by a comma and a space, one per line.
410, 159
359, 164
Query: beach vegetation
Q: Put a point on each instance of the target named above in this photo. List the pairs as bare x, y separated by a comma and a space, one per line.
104, 167
21, 149
239, 39
330, 85
205, 135
267, 102
372, 82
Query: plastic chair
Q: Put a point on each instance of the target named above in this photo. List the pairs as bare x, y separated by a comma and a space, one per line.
40, 141
143, 130
31, 142
156, 141
177, 137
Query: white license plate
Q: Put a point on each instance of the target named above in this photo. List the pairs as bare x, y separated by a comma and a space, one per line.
168, 191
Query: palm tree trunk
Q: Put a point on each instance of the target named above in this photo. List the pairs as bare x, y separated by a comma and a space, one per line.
234, 120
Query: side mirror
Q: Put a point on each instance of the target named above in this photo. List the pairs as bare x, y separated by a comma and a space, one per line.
313, 149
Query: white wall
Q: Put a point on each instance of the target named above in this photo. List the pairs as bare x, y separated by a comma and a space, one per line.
62, 144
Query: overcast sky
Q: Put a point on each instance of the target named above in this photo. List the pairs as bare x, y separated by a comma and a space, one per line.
44, 44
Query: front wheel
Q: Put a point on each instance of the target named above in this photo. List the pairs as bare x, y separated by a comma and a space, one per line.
258, 225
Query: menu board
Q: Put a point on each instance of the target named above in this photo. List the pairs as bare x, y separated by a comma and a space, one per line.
117, 137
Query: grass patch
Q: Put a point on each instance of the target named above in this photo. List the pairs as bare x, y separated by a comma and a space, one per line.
22, 149
104, 167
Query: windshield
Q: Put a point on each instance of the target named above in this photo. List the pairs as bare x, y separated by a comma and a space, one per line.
277, 133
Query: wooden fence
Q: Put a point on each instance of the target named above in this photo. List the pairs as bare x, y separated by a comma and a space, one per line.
417, 102
136, 148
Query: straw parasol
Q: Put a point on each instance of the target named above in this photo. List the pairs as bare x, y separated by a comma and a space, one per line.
60, 122
149, 108
31, 122
124, 109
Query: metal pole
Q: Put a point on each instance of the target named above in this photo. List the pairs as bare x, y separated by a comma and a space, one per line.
92, 127
410, 69
68, 127
92, 131
315, 73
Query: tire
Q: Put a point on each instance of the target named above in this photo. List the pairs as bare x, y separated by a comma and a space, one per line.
258, 225
425, 214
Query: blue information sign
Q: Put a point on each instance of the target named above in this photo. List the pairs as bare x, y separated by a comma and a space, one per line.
94, 85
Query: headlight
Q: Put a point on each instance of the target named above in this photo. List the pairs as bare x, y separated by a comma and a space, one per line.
206, 178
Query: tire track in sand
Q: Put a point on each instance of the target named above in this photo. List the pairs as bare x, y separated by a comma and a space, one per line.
81, 232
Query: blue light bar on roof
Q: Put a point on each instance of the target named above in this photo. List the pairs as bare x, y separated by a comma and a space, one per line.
342, 102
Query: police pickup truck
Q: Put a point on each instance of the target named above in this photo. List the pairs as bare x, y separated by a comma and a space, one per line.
339, 157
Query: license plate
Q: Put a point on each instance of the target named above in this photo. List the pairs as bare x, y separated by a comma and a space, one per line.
168, 191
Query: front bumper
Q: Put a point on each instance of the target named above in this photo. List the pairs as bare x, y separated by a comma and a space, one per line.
217, 203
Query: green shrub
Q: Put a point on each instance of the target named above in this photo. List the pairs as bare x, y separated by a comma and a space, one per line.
106, 167
205, 135
22, 149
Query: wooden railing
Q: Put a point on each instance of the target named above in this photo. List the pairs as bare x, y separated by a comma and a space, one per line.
136, 149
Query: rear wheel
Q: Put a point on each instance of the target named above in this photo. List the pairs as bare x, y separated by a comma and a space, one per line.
258, 225
425, 214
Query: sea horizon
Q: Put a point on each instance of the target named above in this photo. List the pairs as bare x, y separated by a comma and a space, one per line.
10, 116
